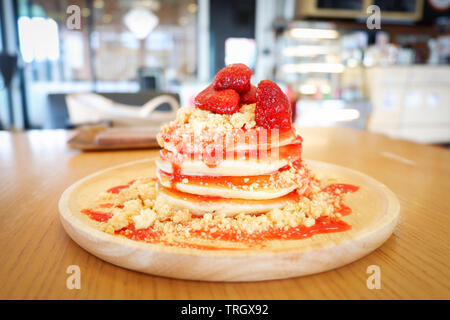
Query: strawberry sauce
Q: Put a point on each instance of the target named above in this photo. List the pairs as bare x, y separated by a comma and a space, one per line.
322, 224
117, 189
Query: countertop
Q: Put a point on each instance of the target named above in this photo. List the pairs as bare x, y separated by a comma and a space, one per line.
37, 166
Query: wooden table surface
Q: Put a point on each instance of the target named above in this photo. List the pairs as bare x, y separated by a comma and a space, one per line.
36, 167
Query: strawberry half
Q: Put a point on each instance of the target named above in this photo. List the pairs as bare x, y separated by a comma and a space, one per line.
223, 101
234, 76
249, 97
273, 110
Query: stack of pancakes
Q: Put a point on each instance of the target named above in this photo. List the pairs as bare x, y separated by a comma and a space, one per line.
250, 176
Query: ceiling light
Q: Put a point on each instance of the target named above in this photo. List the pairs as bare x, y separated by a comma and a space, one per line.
141, 22
98, 4
192, 7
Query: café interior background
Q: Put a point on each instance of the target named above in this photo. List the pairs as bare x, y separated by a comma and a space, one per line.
337, 71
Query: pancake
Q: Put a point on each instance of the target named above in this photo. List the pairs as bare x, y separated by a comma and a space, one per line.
215, 205
179, 139
226, 164
225, 168
230, 190
251, 163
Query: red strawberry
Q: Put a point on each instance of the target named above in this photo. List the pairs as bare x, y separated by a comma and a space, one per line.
223, 101
249, 97
273, 110
234, 76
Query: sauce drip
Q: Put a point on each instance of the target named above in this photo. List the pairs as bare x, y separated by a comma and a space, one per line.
117, 189
147, 235
96, 215
337, 188
226, 181
176, 176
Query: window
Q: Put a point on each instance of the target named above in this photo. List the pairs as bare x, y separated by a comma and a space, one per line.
118, 41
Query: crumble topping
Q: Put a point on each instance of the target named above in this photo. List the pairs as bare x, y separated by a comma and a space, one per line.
139, 206
197, 119
205, 127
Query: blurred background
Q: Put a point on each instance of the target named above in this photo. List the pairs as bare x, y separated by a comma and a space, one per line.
67, 63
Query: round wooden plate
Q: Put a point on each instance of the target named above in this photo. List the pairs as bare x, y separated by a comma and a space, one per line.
375, 214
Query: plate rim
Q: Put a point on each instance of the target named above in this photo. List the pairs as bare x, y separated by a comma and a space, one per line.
67, 216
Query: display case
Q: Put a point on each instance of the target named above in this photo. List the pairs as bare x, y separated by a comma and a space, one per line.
403, 10
309, 59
